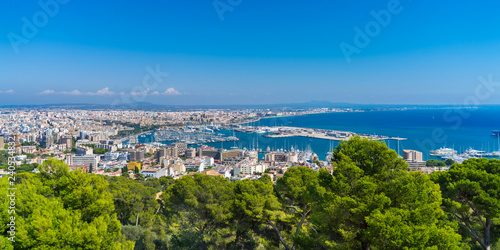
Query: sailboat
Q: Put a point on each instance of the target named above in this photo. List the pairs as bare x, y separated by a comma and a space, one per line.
329, 155
234, 147
496, 153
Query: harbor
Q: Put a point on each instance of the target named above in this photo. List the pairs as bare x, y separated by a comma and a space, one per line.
450, 153
193, 135
326, 134
285, 137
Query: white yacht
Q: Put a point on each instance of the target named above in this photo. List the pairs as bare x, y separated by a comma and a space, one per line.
443, 151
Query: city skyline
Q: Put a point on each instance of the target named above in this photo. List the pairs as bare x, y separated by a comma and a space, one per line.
237, 124
242, 52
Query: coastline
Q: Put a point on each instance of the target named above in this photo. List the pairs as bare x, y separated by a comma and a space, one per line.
276, 117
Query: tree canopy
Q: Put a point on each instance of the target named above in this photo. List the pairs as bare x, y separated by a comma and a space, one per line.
368, 200
472, 196
58, 208
372, 201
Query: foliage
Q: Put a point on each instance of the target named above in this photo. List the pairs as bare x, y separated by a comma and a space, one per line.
257, 209
300, 192
26, 168
31, 143
100, 151
472, 196
201, 204
373, 157
29, 156
135, 204
4, 156
139, 177
435, 163
372, 201
58, 208
136, 128
318, 163
449, 162
368, 201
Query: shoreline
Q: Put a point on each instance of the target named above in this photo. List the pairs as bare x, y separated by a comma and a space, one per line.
326, 134
261, 118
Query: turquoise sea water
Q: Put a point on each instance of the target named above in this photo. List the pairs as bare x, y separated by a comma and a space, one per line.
426, 129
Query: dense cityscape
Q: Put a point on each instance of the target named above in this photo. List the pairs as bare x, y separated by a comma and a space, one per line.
233, 124
146, 159
106, 142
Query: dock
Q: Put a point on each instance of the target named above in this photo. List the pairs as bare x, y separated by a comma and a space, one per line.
334, 135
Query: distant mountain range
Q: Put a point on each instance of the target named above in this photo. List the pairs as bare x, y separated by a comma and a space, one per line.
281, 106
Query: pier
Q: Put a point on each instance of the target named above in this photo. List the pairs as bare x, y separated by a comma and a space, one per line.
335, 135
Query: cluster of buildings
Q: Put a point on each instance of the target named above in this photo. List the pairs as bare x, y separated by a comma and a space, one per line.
89, 140
416, 163
177, 160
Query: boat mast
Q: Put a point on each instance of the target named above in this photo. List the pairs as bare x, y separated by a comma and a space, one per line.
398, 147
257, 142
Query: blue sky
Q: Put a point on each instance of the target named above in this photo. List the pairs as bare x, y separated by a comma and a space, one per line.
260, 52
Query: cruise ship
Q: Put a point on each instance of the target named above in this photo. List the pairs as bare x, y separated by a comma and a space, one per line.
443, 151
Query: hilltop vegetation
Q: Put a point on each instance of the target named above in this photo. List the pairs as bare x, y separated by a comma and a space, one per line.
369, 201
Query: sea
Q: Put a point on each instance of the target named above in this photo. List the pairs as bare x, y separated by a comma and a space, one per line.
425, 129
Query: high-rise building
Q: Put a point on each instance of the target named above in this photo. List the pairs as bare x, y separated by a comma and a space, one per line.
83, 135
167, 152
412, 155
31, 137
68, 141
136, 155
414, 160
190, 153
48, 140
17, 137
181, 147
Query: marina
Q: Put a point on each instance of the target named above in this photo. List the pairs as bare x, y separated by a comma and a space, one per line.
321, 136
193, 135
448, 153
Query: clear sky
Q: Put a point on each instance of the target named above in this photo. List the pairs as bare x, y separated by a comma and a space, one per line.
248, 52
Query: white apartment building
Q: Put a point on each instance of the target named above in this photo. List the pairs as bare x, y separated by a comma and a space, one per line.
82, 160
154, 172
